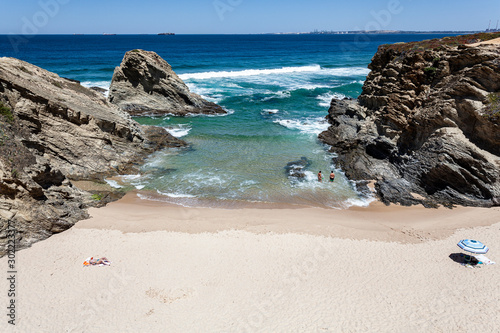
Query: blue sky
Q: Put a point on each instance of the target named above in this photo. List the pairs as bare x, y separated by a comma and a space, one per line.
242, 16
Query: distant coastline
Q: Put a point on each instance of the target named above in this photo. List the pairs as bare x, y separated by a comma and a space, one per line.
316, 32
358, 32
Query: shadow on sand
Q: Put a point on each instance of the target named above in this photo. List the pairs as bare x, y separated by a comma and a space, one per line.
463, 259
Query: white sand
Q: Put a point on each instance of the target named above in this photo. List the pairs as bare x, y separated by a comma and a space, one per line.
251, 280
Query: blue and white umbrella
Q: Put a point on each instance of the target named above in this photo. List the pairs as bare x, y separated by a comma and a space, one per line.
473, 246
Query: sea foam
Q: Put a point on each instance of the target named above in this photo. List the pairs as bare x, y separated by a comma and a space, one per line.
179, 130
317, 69
309, 126
325, 99
249, 72
113, 183
175, 195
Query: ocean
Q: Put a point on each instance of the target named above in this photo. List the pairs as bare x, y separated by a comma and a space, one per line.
276, 89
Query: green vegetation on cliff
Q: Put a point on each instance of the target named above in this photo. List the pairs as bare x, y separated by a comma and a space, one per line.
97, 196
493, 108
6, 112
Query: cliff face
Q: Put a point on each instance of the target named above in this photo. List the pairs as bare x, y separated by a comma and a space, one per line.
426, 126
146, 84
52, 131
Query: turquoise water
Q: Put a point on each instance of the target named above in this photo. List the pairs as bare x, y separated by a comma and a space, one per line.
276, 90
275, 116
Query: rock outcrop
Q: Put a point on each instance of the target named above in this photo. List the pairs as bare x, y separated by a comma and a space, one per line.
297, 168
53, 131
146, 84
426, 126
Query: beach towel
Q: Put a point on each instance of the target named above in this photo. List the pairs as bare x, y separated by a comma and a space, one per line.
482, 259
90, 261
469, 261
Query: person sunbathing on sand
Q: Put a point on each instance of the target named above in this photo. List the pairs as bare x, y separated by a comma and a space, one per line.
94, 262
101, 261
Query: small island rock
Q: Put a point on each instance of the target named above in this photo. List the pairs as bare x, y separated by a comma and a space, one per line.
145, 84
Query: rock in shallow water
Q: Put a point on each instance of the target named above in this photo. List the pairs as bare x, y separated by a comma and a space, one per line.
297, 168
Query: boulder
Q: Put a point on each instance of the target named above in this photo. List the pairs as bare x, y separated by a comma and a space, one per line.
145, 84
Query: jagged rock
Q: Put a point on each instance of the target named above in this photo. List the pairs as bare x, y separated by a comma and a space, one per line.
146, 84
421, 127
58, 131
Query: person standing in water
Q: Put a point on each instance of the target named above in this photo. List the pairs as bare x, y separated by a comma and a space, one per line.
332, 176
320, 176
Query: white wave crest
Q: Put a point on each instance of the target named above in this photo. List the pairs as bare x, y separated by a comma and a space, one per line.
179, 131
130, 177
270, 111
359, 202
309, 126
176, 195
347, 71
113, 183
310, 176
210, 94
340, 71
326, 99
279, 94
100, 84
249, 72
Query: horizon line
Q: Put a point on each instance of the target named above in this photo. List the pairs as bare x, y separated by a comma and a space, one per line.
317, 32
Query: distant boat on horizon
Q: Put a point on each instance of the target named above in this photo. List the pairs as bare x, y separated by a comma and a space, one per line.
105, 34
166, 33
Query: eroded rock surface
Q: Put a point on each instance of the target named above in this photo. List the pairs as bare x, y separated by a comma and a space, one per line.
146, 84
425, 127
52, 131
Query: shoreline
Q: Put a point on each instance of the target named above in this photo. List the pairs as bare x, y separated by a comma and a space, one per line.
379, 222
266, 267
181, 269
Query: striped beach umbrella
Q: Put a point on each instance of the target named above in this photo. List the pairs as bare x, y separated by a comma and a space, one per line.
473, 246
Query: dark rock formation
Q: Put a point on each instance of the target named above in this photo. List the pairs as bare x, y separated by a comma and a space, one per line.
52, 131
424, 127
146, 84
296, 168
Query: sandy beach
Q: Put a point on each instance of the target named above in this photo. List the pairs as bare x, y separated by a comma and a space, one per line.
176, 269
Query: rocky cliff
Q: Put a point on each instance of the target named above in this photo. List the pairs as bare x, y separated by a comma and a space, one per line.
146, 84
426, 126
53, 131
